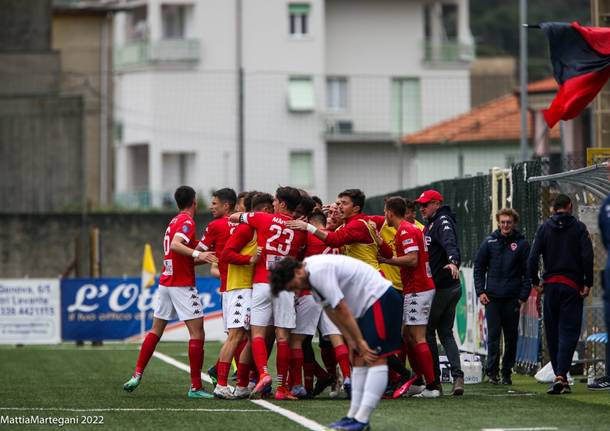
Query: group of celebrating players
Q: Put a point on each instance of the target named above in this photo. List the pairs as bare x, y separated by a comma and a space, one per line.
289, 267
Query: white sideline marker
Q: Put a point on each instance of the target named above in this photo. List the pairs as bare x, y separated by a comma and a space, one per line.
301, 420
169, 409
521, 429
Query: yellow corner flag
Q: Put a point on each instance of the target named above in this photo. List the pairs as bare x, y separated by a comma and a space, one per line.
148, 268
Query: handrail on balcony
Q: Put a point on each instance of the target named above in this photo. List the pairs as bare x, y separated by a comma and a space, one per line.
447, 52
143, 53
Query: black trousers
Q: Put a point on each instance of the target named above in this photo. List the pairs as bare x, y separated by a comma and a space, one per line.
563, 308
442, 315
502, 315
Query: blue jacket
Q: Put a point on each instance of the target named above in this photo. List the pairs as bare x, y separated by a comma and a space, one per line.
441, 238
566, 249
603, 220
500, 269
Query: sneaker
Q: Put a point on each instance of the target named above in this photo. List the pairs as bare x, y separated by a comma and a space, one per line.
507, 380
251, 385
199, 393
493, 379
213, 373
566, 389
557, 387
405, 387
335, 388
241, 392
415, 389
223, 392
458, 386
343, 421
267, 392
283, 394
264, 381
428, 393
354, 425
131, 384
299, 391
347, 388
600, 384
322, 384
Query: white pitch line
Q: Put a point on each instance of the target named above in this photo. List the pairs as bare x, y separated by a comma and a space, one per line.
301, 420
169, 409
521, 429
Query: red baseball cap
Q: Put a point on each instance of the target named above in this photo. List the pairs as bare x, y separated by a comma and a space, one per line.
429, 195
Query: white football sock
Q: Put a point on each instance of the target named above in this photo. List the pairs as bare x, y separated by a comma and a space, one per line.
376, 382
358, 381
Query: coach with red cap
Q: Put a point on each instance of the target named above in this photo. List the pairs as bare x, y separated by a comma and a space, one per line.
444, 257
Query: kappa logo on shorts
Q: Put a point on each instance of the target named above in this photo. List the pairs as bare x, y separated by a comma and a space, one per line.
413, 310
411, 318
238, 305
248, 308
413, 303
237, 313
195, 304
240, 297
236, 321
196, 311
194, 297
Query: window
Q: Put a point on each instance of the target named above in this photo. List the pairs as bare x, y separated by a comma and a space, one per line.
174, 18
406, 105
301, 169
300, 94
336, 94
298, 14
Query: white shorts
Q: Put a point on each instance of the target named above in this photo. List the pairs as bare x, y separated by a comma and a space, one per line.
239, 302
181, 303
225, 312
416, 310
267, 311
308, 315
326, 326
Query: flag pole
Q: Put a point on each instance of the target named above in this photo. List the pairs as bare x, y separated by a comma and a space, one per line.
523, 77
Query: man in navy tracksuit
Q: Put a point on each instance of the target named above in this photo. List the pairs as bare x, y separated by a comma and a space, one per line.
444, 257
502, 285
567, 254
603, 383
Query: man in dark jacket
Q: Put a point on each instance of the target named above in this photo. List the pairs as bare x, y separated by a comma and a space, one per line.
444, 258
567, 255
603, 383
502, 285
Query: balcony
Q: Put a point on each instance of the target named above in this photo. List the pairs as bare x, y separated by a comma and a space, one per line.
166, 51
447, 52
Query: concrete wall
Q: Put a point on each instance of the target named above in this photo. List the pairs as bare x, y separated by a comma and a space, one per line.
25, 25
42, 245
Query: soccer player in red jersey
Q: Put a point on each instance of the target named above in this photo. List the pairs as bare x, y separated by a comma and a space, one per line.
356, 236
418, 290
277, 241
177, 296
310, 316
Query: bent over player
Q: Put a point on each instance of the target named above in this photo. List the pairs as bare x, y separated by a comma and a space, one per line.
367, 310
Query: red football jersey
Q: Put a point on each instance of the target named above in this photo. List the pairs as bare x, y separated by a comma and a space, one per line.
316, 246
276, 240
410, 239
178, 270
214, 238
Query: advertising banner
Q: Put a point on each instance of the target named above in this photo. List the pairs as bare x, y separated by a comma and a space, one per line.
470, 327
30, 311
111, 309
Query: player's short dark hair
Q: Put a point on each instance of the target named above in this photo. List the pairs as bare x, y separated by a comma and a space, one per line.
356, 195
397, 205
561, 202
282, 273
318, 216
289, 195
259, 199
227, 196
184, 196
410, 205
317, 200
305, 207
247, 196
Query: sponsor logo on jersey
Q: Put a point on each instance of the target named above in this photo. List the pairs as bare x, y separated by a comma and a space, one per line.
407, 241
513, 246
185, 229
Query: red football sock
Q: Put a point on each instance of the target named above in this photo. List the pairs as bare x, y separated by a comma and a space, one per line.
282, 361
239, 349
296, 367
424, 360
308, 375
243, 374
146, 351
320, 372
196, 362
412, 354
259, 353
328, 357
342, 356
223, 373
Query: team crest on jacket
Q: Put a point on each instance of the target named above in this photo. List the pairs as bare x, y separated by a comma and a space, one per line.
513, 246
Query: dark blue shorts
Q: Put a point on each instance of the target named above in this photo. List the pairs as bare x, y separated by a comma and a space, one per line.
381, 324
